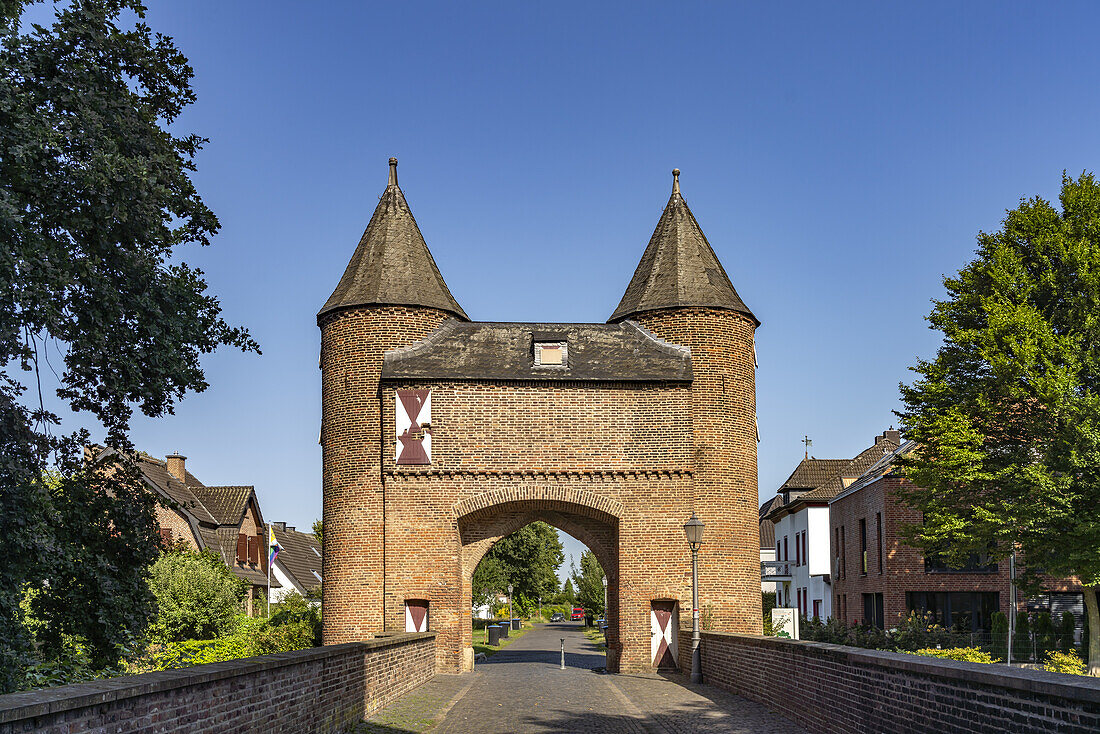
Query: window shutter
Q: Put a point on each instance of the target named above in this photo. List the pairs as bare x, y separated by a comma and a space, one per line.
242, 548
253, 549
166, 536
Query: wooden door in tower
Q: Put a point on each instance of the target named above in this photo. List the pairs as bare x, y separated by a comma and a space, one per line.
416, 615
664, 622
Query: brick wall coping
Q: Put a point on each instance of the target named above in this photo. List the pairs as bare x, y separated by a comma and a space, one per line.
1040, 682
29, 704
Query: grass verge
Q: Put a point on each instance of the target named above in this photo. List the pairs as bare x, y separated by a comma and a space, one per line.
597, 637
481, 639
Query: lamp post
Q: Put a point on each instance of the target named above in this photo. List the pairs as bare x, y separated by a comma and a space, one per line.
509, 606
693, 530
605, 600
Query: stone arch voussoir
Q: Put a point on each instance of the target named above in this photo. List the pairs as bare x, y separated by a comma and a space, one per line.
552, 495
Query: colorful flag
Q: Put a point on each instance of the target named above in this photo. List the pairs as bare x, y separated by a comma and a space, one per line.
273, 544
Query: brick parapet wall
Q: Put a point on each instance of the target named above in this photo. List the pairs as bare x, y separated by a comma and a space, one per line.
831, 688
322, 689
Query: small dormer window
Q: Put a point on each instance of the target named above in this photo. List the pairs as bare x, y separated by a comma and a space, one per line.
550, 354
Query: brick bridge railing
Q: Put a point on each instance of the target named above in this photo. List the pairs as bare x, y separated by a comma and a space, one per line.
831, 688
322, 689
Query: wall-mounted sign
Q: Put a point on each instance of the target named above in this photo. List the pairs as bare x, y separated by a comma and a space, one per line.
785, 622
413, 414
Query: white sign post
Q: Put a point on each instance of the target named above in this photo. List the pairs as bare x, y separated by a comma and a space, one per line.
785, 620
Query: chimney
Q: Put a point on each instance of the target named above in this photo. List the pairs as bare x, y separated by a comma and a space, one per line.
280, 525
291, 529
176, 466
891, 435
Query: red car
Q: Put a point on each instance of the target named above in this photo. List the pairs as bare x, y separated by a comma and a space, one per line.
578, 613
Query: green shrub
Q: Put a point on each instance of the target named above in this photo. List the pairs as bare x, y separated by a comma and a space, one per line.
1064, 662
197, 597
1022, 648
999, 645
295, 609
1065, 632
965, 654
919, 631
1044, 635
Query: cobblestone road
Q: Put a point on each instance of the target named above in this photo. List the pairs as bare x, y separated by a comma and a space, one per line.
522, 689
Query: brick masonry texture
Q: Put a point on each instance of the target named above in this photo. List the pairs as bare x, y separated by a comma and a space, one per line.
902, 567
319, 690
834, 689
618, 465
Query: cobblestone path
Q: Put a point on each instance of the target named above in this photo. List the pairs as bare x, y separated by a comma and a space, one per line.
522, 689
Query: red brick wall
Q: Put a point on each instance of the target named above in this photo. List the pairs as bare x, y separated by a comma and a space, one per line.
846, 690
324, 689
612, 464
726, 498
903, 564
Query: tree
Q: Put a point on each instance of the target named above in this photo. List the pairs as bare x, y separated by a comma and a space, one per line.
568, 595
488, 581
528, 559
589, 581
95, 199
197, 597
1007, 415
999, 645
318, 531
1066, 630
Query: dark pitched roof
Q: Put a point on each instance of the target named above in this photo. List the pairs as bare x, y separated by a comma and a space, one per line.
225, 504
879, 469
392, 265
299, 555
858, 465
504, 351
679, 268
812, 473
156, 472
767, 527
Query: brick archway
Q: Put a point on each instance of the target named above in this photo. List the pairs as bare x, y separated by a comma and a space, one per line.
481, 522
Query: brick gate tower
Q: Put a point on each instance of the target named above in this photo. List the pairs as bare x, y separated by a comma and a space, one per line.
441, 435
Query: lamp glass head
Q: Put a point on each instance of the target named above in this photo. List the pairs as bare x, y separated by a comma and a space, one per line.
693, 531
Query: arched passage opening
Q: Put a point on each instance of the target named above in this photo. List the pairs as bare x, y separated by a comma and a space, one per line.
595, 525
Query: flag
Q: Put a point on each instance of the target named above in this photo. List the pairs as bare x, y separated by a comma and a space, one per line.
273, 544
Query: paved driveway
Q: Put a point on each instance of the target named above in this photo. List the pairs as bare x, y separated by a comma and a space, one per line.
522, 689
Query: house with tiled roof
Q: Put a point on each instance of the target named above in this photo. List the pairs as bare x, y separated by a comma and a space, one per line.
225, 520
802, 569
298, 565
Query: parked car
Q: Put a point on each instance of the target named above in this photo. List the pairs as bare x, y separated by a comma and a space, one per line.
557, 617
578, 613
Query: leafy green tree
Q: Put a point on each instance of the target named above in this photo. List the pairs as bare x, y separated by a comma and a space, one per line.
1022, 645
999, 646
95, 199
528, 559
568, 594
197, 597
488, 581
1007, 415
589, 581
1045, 638
318, 531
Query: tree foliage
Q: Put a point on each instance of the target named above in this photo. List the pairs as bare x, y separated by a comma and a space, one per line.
589, 582
528, 559
95, 198
1007, 415
197, 597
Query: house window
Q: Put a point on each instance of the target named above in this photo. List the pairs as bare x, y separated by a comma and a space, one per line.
975, 563
253, 549
242, 548
965, 611
786, 549
551, 354
817, 609
843, 555
878, 523
805, 550
416, 615
797, 550
863, 546
166, 537
873, 613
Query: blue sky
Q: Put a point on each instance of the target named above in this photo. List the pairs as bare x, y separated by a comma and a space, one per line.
839, 157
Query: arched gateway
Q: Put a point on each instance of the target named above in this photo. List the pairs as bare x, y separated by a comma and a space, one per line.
441, 435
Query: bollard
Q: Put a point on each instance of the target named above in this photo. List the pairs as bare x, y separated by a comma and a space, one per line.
563, 653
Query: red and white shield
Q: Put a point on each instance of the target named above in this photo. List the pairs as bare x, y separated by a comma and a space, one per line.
664, 625
413, 417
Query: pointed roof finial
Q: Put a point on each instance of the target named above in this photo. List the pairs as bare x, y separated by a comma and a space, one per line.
675, 180
393, 172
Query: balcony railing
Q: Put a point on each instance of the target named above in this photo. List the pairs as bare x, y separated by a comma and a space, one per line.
775, 570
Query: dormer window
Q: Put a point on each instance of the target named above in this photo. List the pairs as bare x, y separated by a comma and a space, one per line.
550, 354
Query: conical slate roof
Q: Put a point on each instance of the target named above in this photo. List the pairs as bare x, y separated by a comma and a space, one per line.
392, 265
679, 268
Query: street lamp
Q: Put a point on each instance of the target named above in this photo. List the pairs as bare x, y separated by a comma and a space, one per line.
509, 606
693, 530
605, 600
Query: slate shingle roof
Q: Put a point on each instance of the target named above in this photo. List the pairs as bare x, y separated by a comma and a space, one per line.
157, 472
812, 473
767, 527
854, 468
299, 555
679, 268
392, 265
504, 351
226, 505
